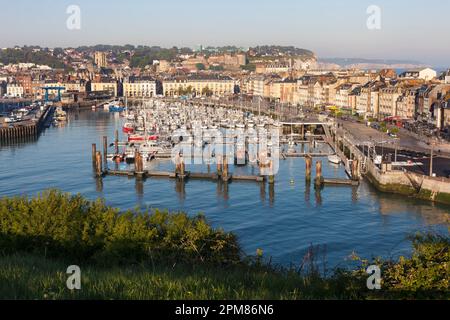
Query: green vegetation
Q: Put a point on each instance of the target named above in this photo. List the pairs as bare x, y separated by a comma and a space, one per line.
200, 66
216, 68
249, 67
29, 55
144, 56
161, 255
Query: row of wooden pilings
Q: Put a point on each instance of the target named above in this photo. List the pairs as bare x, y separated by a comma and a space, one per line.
100, 163
17, 133
318, 180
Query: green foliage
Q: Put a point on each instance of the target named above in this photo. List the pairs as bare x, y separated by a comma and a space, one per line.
394, 130
161, 255
428, 270
27, 55
249, 67
207, 92
200, 66
216, 68
55, 224
145, 55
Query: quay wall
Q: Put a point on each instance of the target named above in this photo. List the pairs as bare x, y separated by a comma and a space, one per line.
386, 179
423, 187
28, 130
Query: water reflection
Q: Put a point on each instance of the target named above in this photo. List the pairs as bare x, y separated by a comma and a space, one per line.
343, 218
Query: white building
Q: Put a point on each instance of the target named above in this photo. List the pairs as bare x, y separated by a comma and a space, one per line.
14, 90
425, 74
139, 88
105, 86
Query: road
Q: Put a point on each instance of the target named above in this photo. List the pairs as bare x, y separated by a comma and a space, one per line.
409, 148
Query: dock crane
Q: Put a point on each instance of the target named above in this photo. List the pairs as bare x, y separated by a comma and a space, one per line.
47, 89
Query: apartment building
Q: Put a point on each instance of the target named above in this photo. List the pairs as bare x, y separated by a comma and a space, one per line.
105, 85
199, 84
406, 104
14, 90
426, 74
139, 87
25, 81
343, 96
388, 100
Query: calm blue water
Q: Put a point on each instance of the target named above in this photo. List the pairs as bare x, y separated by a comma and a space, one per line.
284, 221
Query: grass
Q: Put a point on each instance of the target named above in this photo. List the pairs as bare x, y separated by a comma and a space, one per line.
27, 276
161, 255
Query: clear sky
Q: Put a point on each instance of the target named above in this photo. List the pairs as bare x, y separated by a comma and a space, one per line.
410, 29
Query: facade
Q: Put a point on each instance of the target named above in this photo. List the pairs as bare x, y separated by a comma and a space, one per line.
343, 96
426, 74
100, 59
105, 86
141, 88
406, 104
255, 86
199, 85
388, 101
14, 90
25, 81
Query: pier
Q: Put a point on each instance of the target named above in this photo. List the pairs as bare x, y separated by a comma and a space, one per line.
27, 129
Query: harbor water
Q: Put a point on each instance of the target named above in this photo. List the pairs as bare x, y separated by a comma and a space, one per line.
283, 220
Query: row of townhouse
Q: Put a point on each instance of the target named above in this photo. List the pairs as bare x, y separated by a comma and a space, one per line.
197, 85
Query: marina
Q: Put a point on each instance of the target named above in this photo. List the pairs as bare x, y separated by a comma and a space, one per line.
283, 218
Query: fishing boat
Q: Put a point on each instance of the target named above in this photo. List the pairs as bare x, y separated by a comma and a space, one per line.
334, 159
139, 137
60, 114
130, 152
149, 150
128, 128
114, 108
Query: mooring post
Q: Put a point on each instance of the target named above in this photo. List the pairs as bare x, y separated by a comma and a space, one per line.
105, 152
355, 175
225, 169
182, 167
319, 180
308, 165
219, 166
116, 142
271, 175
98, 164
138, 164
94, 152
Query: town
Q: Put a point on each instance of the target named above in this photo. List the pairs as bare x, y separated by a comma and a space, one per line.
418, 98
209, 151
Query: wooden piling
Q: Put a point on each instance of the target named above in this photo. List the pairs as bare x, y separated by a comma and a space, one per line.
98, 164
308, 165
271, 175
138, 164
225, 169
182, 167
116, 142
319, 179
219, 166
354, 170
94, 153
105, 152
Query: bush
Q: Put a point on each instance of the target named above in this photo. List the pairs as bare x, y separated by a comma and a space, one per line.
56, 224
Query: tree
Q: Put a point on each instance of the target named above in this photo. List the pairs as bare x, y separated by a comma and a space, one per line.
200, 66
207, 92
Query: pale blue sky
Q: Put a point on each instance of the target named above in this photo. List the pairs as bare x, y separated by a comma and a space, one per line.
410, 29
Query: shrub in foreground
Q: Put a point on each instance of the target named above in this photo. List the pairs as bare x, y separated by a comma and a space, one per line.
56, 224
